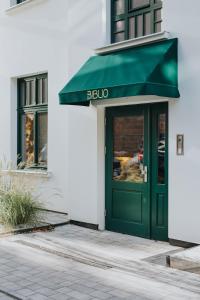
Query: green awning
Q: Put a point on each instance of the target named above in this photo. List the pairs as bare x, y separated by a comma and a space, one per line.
145, 70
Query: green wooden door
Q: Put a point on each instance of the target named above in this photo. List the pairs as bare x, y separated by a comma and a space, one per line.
136, 170
127, 164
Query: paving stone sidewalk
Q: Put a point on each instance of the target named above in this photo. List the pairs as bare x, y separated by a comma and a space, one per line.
77, 263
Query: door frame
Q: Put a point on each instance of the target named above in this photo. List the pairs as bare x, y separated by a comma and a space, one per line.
151, 135
99, 110
142, 229
163, 233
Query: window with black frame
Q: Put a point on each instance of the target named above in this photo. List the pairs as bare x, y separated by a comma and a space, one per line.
32, 121
20, 1
135, 18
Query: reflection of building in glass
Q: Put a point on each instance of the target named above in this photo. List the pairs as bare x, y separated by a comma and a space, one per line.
43, 154
29, 133
128, 148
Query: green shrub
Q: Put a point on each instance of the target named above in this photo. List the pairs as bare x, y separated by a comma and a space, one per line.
19, 204
18, 207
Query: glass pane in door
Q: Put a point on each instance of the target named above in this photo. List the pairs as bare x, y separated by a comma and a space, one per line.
128, 149
161, 147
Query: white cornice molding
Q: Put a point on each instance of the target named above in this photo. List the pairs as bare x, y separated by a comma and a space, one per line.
152, 38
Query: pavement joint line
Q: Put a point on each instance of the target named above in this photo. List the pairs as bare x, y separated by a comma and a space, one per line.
85, 261
93, 262
10, 295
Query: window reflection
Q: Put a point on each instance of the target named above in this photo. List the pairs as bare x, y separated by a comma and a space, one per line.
28, 138
42, 139
119, 6
147, 24
140, 25
139, 3
119, 37
132, 27
128, 148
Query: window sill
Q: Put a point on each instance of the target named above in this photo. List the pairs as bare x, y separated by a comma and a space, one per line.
17, 7
35, 173
163, 35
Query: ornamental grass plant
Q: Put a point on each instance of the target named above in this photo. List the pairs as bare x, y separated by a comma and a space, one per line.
19, 204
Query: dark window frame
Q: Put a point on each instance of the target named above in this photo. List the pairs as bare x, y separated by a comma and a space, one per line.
20, 1
129, 12
35, 109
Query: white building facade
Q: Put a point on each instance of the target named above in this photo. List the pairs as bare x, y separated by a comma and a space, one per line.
44, 43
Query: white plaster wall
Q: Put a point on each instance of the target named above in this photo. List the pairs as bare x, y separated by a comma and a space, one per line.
55, 37
181, 19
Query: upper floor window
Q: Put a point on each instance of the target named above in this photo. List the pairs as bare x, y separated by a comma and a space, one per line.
20, 1
135, 18
32, 121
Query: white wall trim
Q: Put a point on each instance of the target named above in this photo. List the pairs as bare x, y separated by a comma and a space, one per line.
18, 76
134, 42
35, 173
131, 101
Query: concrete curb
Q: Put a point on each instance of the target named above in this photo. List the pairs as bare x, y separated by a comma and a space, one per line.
31, 229
53, 219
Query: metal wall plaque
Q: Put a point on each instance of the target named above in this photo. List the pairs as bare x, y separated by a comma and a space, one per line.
180, 144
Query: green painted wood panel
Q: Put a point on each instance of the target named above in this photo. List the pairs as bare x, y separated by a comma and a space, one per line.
127, 206
127, 203
139, 209
160, 209
159, 186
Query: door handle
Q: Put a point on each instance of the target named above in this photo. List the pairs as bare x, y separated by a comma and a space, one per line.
145, 174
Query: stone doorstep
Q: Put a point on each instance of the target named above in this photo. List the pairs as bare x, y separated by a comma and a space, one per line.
50, 220
186, 260
77, 251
